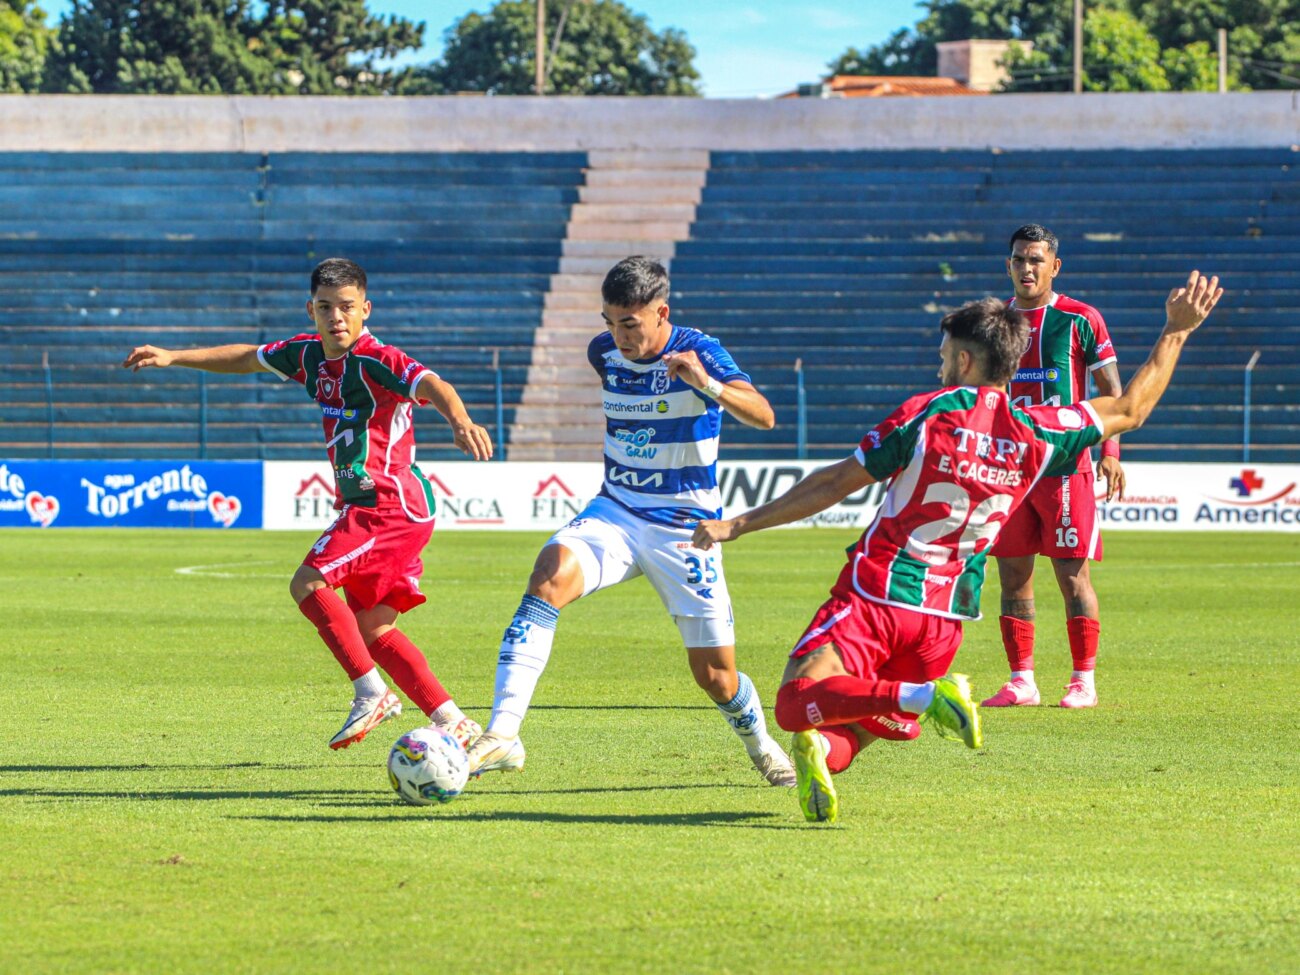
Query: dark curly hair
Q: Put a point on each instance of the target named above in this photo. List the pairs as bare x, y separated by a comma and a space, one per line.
995, 332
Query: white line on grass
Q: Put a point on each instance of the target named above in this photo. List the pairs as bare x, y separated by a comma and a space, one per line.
205, 570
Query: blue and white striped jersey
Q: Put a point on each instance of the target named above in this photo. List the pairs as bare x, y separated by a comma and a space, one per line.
661, 435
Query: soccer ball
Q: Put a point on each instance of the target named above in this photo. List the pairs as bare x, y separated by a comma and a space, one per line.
427, 765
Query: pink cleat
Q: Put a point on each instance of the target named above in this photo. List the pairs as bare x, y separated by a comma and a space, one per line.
1079, 695
1014, 693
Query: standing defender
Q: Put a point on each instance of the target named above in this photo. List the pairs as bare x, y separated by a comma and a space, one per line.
664, 389
372, 550
1068, 341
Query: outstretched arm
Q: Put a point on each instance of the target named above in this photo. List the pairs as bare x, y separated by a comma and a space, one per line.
1109, 467
218, 358
816, 492
1185, 309
737, 397
471, 438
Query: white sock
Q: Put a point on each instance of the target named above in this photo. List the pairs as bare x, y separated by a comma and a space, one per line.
447, 715
1086, 676
369, 684
744, 713
1025, 675
525, 648
915, 697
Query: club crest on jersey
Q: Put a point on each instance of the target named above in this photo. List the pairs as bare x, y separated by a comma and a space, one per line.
659, 381
990, 401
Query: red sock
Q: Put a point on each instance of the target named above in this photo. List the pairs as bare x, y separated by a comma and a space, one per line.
844, 747
338, 628
1018, 642
803, 703
407, 666
1084, 633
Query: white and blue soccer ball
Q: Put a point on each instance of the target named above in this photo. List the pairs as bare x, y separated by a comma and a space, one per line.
427, 765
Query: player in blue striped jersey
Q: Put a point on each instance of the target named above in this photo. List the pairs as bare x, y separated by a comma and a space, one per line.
663, 388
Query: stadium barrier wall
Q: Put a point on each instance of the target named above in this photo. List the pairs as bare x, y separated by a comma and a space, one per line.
206, 123
540, 496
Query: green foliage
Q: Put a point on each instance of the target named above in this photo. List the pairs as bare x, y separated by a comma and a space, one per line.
1129, 45
604, 48
24, 44
169, 804
227, 47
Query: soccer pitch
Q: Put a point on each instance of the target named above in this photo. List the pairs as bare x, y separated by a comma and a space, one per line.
169, 803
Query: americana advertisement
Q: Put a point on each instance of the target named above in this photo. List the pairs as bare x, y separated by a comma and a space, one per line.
130, 493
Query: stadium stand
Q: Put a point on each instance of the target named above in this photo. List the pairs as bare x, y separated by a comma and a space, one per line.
843, 260
103, 251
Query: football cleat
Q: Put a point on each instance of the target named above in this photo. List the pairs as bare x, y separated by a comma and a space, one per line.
952, 712
817, 796
1014, 693
1079, 695
366, 713
466, 731
773, 764
495, 753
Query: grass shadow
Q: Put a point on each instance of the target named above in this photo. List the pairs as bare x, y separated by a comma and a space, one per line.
145, 767
748, 820
187, 795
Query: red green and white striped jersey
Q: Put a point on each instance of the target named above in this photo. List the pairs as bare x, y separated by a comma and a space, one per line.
365, 397
1067, 341
960, 460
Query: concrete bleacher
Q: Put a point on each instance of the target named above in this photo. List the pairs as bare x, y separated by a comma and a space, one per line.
846, 260
103, 251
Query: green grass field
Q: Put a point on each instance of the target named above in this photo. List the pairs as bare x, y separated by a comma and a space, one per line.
169, 805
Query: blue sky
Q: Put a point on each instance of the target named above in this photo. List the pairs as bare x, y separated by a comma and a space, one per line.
745, 49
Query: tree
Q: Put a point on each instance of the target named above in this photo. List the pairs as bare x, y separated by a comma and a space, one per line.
24, 45
227, 47
604, 49
334, 46
1264, 42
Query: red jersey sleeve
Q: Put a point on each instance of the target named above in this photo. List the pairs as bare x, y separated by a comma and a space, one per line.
396, 371
887, 447
284, 358
1068, 430
1100, 351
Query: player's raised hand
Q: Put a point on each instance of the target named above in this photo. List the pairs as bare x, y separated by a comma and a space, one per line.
145, 356
473, 440
709, 533
1190, 304
687, 367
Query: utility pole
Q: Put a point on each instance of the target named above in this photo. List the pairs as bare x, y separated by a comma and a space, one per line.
1223, 59
539, 84
1078, 46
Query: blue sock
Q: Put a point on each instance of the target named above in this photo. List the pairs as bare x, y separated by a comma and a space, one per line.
744, 713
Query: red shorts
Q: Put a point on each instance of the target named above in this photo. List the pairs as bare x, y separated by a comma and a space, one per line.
374, 554
879, 642
1057, 519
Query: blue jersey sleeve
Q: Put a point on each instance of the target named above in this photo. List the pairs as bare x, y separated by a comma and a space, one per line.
717, 361
596, 350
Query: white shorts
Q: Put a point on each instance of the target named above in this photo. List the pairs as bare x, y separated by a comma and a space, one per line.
613, 545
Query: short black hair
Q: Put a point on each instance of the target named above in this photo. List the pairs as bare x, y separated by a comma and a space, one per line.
635, 282
1035, 233
338, 272
998, 333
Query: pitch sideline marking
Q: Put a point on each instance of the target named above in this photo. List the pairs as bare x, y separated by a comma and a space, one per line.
202, 570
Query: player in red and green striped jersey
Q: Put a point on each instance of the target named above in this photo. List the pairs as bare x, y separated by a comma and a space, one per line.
365, 390
958, 461
1068, 341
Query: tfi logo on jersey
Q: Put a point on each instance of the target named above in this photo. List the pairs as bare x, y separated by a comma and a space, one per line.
1036, 376
995, 448
636, 479
637, 442
42, 508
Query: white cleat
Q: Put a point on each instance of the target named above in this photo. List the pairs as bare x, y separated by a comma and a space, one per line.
466, 731
775, 766
366, 714
495, 753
